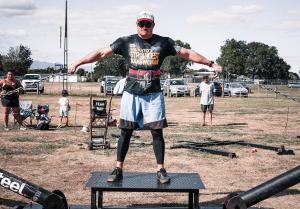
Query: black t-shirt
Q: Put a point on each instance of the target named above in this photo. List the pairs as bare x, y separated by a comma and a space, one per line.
144, 54
10, 87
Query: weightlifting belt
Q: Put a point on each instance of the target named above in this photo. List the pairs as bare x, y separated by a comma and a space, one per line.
144, 74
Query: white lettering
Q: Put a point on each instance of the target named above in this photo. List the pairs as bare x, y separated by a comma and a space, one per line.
21, 189
14, 187
5, 182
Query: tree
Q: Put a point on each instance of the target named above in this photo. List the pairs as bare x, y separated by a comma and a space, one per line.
114, 65
176, 65
1, 65
255, 60
80, 72
233, 57
18, 60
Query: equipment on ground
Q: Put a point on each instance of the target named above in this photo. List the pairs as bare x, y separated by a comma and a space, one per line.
202, 147
42, 118
49, 200
264, 190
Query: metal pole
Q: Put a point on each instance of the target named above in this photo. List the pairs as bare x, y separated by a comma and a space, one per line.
49, 200
265, 190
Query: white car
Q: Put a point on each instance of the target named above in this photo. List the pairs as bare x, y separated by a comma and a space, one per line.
294, 85
235, 89
108, 84
33, 82
176, 87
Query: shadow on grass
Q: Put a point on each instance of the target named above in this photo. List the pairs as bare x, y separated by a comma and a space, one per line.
232, 124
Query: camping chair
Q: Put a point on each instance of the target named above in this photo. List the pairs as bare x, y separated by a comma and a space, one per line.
41, 115
26, 111
100, 118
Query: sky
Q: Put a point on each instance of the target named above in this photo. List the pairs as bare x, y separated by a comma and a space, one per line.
205, 25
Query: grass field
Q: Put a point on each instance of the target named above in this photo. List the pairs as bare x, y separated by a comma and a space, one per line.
58, 158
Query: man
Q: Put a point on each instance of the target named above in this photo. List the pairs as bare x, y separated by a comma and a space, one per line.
206, 90
142, 103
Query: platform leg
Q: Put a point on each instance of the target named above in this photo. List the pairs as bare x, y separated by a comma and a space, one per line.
93, 199
196, 200
191, 199
100, 199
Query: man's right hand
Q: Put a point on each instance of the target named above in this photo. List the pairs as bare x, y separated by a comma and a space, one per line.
72, 68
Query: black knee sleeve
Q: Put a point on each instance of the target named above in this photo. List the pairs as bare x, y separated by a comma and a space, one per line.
123, 144
158, 145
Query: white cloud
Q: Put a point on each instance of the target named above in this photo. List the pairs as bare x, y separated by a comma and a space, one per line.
18, 33
235, 14
216, 17
294, 12
289, 25
246, 9
16, 8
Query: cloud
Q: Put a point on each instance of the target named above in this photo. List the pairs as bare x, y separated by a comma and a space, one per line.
216, 17
288, 25
235, 14
18, 33
246, 9
16, 8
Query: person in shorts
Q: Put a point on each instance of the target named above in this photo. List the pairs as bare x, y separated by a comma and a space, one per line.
206, 90
64, 107
9, 93
142, 103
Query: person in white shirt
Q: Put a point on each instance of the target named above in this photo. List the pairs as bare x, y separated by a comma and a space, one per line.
119, 88
206, 90
64, 108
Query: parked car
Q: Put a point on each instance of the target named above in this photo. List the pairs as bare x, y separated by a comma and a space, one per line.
246, 85
33, 82
162, 81
217, 90
235, 89
108, 84
294, 85
176, 87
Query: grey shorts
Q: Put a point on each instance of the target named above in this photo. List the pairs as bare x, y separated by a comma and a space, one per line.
205, 108
138, 111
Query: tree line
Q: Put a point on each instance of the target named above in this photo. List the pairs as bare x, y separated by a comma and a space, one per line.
254, 60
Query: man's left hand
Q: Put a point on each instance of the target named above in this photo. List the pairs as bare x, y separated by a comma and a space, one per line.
217, 67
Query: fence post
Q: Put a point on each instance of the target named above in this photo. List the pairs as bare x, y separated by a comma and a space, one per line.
37, 88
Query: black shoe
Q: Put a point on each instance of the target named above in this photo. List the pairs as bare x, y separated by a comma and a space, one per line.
162, 176
116, 175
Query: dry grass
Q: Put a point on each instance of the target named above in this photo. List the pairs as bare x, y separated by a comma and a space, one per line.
56, 159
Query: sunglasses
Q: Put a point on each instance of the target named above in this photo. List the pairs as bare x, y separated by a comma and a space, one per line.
145, 24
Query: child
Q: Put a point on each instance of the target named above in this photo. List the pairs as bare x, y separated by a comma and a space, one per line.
64, 108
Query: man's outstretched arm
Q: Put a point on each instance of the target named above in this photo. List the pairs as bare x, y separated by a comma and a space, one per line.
91, 57
191, 55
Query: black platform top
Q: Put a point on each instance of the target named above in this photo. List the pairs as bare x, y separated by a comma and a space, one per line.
180, 182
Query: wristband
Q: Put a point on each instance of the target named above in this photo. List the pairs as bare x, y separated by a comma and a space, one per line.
211, 63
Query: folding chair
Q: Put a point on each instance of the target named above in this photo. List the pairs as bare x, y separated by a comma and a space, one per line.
26, 111
99, 121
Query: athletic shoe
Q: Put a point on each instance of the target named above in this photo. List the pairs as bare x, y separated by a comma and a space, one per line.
23, 128
116, 175
6, 129
162, 176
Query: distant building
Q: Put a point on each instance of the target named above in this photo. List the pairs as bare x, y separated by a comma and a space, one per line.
74, 78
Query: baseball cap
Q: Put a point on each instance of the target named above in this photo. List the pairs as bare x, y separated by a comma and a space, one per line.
145, 16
